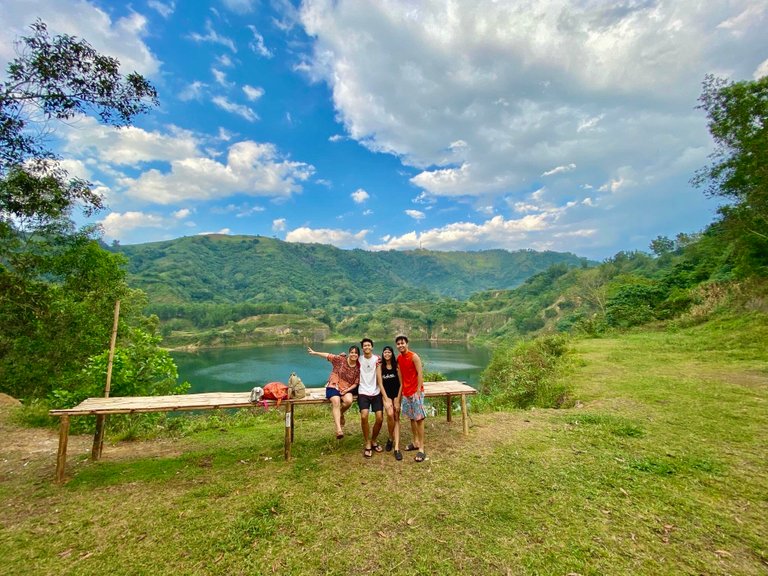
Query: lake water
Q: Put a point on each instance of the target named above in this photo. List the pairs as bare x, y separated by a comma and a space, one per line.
240, 369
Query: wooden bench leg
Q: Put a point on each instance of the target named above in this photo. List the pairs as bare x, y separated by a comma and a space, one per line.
61, 457
288, 430
98, 438
464, 420
448, 407
293, 423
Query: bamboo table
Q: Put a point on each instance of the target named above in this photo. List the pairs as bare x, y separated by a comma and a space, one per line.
220, 400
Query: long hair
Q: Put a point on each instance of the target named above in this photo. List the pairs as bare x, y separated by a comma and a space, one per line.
394, 358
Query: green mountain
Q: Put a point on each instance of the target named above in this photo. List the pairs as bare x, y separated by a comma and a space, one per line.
218, 269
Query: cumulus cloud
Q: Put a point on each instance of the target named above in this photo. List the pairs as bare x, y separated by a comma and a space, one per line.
122, 38
496, 232
250, 168
128, 146
484, 97
416, 214
278, 225
359, 196
339, 238
761, 70
116, 224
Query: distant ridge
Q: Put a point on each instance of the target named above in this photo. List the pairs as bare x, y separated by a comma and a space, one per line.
222, 269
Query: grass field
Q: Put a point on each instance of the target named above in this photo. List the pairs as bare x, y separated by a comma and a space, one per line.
661, 468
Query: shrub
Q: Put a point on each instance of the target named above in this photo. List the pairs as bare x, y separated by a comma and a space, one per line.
526, 375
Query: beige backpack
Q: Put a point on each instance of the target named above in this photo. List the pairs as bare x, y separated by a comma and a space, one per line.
296, 388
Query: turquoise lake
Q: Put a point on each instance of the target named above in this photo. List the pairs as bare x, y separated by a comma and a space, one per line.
240, 369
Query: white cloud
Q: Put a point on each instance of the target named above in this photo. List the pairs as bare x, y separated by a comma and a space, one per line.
278, 225
221, 78
484, 97
336, 138
498, 232
559, 170
257, 45
213, 37
416, 214
221, 231
225, 61
359, 196
182, 213
253, 93
239, 109
122, 38
338, 238
251, 168
116, 224
239, 6
193, 91
165, 9
128, 146
761, 70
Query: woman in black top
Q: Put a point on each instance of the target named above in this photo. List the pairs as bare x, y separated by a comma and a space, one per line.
388, 378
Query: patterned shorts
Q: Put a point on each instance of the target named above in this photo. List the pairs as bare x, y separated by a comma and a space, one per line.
413, 407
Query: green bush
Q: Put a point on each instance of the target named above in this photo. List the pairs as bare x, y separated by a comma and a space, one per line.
527, 375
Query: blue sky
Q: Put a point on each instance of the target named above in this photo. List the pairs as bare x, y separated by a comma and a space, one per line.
397, 124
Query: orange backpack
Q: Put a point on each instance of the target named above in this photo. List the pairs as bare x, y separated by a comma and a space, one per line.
275, 391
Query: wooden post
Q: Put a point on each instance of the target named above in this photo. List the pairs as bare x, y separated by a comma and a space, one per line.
98, 438
288, 430
448, 407
464, 414
293, 423
61, 458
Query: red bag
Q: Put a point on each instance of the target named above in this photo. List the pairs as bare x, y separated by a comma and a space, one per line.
275, 391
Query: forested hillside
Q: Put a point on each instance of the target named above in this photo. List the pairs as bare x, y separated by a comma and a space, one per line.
206, 281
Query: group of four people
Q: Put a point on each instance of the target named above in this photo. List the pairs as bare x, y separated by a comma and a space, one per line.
388, 384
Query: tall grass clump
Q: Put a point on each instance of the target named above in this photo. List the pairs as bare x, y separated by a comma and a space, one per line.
527, 374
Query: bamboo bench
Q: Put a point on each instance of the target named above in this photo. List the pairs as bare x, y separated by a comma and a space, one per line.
101, 407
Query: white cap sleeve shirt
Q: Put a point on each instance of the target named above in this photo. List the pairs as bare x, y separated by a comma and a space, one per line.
368, 385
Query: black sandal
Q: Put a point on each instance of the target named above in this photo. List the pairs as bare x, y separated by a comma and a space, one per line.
420, 457
367, 452
411, 448
398, 455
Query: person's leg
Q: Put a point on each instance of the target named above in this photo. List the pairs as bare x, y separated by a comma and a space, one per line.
421, 454
414, 435
366, 428
336, 412
346, 402
377, 428
390, 410
396, 427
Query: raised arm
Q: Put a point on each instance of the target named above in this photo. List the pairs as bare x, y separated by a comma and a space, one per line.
313, 353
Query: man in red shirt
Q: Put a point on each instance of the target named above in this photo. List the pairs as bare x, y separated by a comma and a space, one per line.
413, 395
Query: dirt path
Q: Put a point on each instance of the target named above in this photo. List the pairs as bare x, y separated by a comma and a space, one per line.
24, 450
